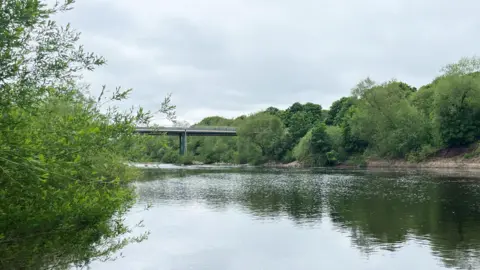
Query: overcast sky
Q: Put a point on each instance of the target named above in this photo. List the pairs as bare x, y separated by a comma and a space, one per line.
232, 57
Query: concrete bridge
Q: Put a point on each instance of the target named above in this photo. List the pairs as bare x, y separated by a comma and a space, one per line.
183, 132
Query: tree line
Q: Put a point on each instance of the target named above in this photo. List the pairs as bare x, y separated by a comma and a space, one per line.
387, 120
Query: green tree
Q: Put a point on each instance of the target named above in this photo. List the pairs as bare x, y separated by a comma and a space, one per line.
299, 119
314, 147
314, 111
214, 149
456, 103
263, 131
64, 180
273, 111
299, 125
388, 122
424, 100
352, 142
214, 121
320, 144
464, 66
339, 108
302, 151
335, 134
364, 85
457, 109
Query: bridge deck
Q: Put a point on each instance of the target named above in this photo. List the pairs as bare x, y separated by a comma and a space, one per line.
191, 131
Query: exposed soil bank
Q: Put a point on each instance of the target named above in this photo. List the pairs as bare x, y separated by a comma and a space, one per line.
446, 158
440, 163
455, 163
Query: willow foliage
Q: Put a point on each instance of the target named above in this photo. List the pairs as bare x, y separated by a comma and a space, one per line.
64, 182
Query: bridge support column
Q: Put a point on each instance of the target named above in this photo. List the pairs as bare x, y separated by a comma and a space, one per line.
183, 143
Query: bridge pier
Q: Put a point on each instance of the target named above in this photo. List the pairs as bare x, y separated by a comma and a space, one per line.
183, 143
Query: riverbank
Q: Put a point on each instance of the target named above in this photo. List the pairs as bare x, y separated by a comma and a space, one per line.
440, 163
452, 167
448, 163
452, 158
449, 158
455, 162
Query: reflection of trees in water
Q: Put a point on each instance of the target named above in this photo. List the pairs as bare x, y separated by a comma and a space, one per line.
456, 234
375, 210
298, 196
389, 211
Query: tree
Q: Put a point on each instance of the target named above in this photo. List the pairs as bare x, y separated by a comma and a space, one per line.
296, 107
456, 109
273, 111
314, 146
466, 65
264, 132
183, 124
302, 151
337, 111
64, 180
299, 119
388, 122
361, 87
314, 111
214, 121
424, 99
320, 144
299, 125
352, 142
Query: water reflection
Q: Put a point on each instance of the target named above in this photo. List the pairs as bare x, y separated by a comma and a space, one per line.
375, 210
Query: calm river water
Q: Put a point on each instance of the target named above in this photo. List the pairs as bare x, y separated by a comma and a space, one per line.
278, 219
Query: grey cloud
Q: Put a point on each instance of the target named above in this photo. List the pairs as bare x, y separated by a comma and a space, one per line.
101, 17
184, 43
270, 52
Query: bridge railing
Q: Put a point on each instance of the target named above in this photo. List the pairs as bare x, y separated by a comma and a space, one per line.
213, 128
187, 128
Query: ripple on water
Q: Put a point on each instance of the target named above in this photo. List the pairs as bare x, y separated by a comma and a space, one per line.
251, 219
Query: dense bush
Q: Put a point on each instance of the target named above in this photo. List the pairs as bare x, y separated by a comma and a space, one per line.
64, 182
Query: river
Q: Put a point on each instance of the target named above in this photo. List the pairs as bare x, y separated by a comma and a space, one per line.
238, 219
